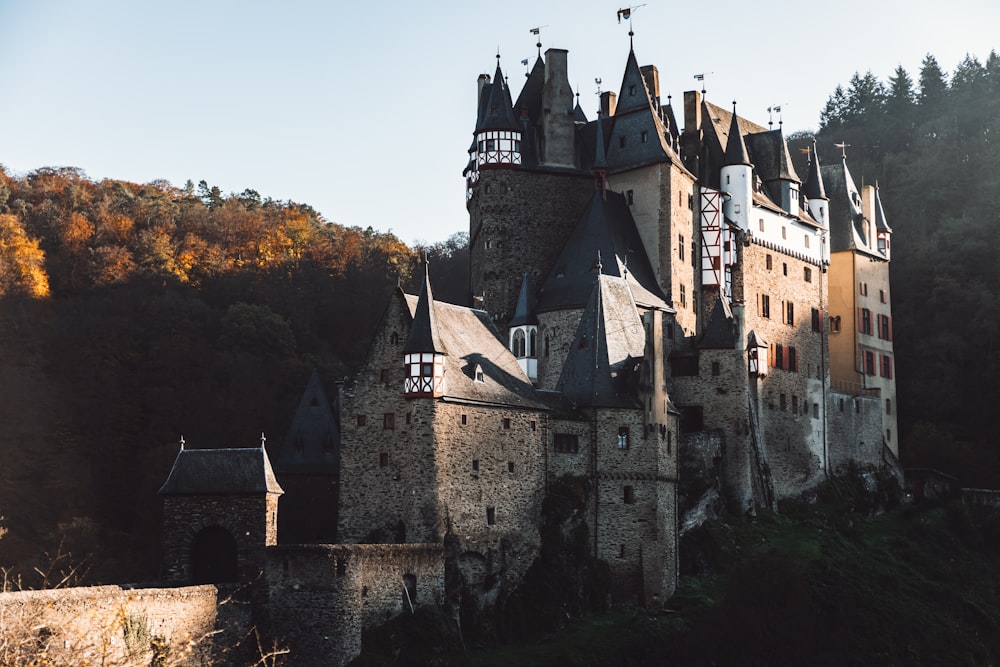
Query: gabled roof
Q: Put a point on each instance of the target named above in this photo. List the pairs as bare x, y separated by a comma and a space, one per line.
236, 471
769, 153
473, 341
312, 444
529, 100
524, 312
424, 332
604, 359
496, 110
578, 114
720, 332
606, 230
716, 126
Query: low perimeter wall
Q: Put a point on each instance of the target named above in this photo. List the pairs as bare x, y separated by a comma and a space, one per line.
108, 625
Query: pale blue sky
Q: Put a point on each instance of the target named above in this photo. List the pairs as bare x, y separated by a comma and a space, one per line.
365, 110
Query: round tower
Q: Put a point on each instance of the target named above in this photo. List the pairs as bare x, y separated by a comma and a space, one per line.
736, 177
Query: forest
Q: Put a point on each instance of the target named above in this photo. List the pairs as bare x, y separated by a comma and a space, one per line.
134, 314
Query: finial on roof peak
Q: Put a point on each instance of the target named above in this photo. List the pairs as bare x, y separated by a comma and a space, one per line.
182, 443
600, 266
263, 439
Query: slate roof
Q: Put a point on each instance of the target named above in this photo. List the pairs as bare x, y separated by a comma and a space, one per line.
312, 445
424, 331
846, 215
769, 153
720, 332
602, 366
496, 110
606, 229
736, 150
813, 188
472, 340
524, 312
880, 222
236, 471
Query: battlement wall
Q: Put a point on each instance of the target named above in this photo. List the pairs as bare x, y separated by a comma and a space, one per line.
109, 625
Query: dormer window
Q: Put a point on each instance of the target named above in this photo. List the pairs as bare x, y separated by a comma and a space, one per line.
631, 90
480, 376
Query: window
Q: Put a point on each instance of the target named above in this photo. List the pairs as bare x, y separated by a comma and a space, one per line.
765, 306
362, 420
835, 324
778, 356
683, 298
781, 402
888, 406
465, 419
519, 344
793, 359
475, 465
795, 405
621, 551
694, 255
567, 443
768, 262
762, 229
683, 365
888, 434
383, 376
491, 516
815, 410
807, 240
885, 327
629, 495
807, 274
882, 296
629, 197
383, 459
841, 405
817, 320
784, 268
644, 136
680, 247
865, 321
784, 232
789, 313
534, 425
480, 376
869, 363
886, 366
506, 423
715, 369
389, 421
623, 437
510, 467
863, 289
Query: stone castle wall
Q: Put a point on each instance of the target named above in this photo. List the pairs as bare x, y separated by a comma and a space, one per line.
109, 625
855, 430
321, 597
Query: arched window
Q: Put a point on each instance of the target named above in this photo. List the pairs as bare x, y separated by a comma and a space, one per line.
532, 340
519, 344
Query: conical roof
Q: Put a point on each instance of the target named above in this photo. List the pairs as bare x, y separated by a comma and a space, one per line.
736, 149
814, 181
497, 111
880, 222
423, 332
524, 312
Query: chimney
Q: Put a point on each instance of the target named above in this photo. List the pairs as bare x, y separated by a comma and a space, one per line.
484, 80
692, 111
609, 101
652, 78
558, 121
868, 202
691, 137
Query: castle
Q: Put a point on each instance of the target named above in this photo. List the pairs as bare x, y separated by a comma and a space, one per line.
667, 314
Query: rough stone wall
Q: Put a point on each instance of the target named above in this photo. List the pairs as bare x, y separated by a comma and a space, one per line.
519, 221
387, 477
577, 463
855, 430
636, 522
108, 625
251, 520
791, 402
321, 597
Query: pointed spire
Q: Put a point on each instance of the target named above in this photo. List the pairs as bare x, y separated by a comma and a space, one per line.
880, 222
423, 334
524, 312
736, 149
498, 110
600, 167
814, 180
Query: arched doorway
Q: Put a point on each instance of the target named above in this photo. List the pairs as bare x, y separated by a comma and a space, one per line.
213, 556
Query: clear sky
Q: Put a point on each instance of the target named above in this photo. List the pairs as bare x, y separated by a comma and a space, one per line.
365, 109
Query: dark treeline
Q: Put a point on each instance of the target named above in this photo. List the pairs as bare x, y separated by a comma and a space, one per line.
932, 142
134, 314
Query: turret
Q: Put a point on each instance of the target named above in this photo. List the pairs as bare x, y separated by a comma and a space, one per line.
523, 332
883, 233
819, 204
423, 353
736, 177
497, 136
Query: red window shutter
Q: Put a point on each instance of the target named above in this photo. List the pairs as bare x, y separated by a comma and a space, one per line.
861, 326
888, 327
